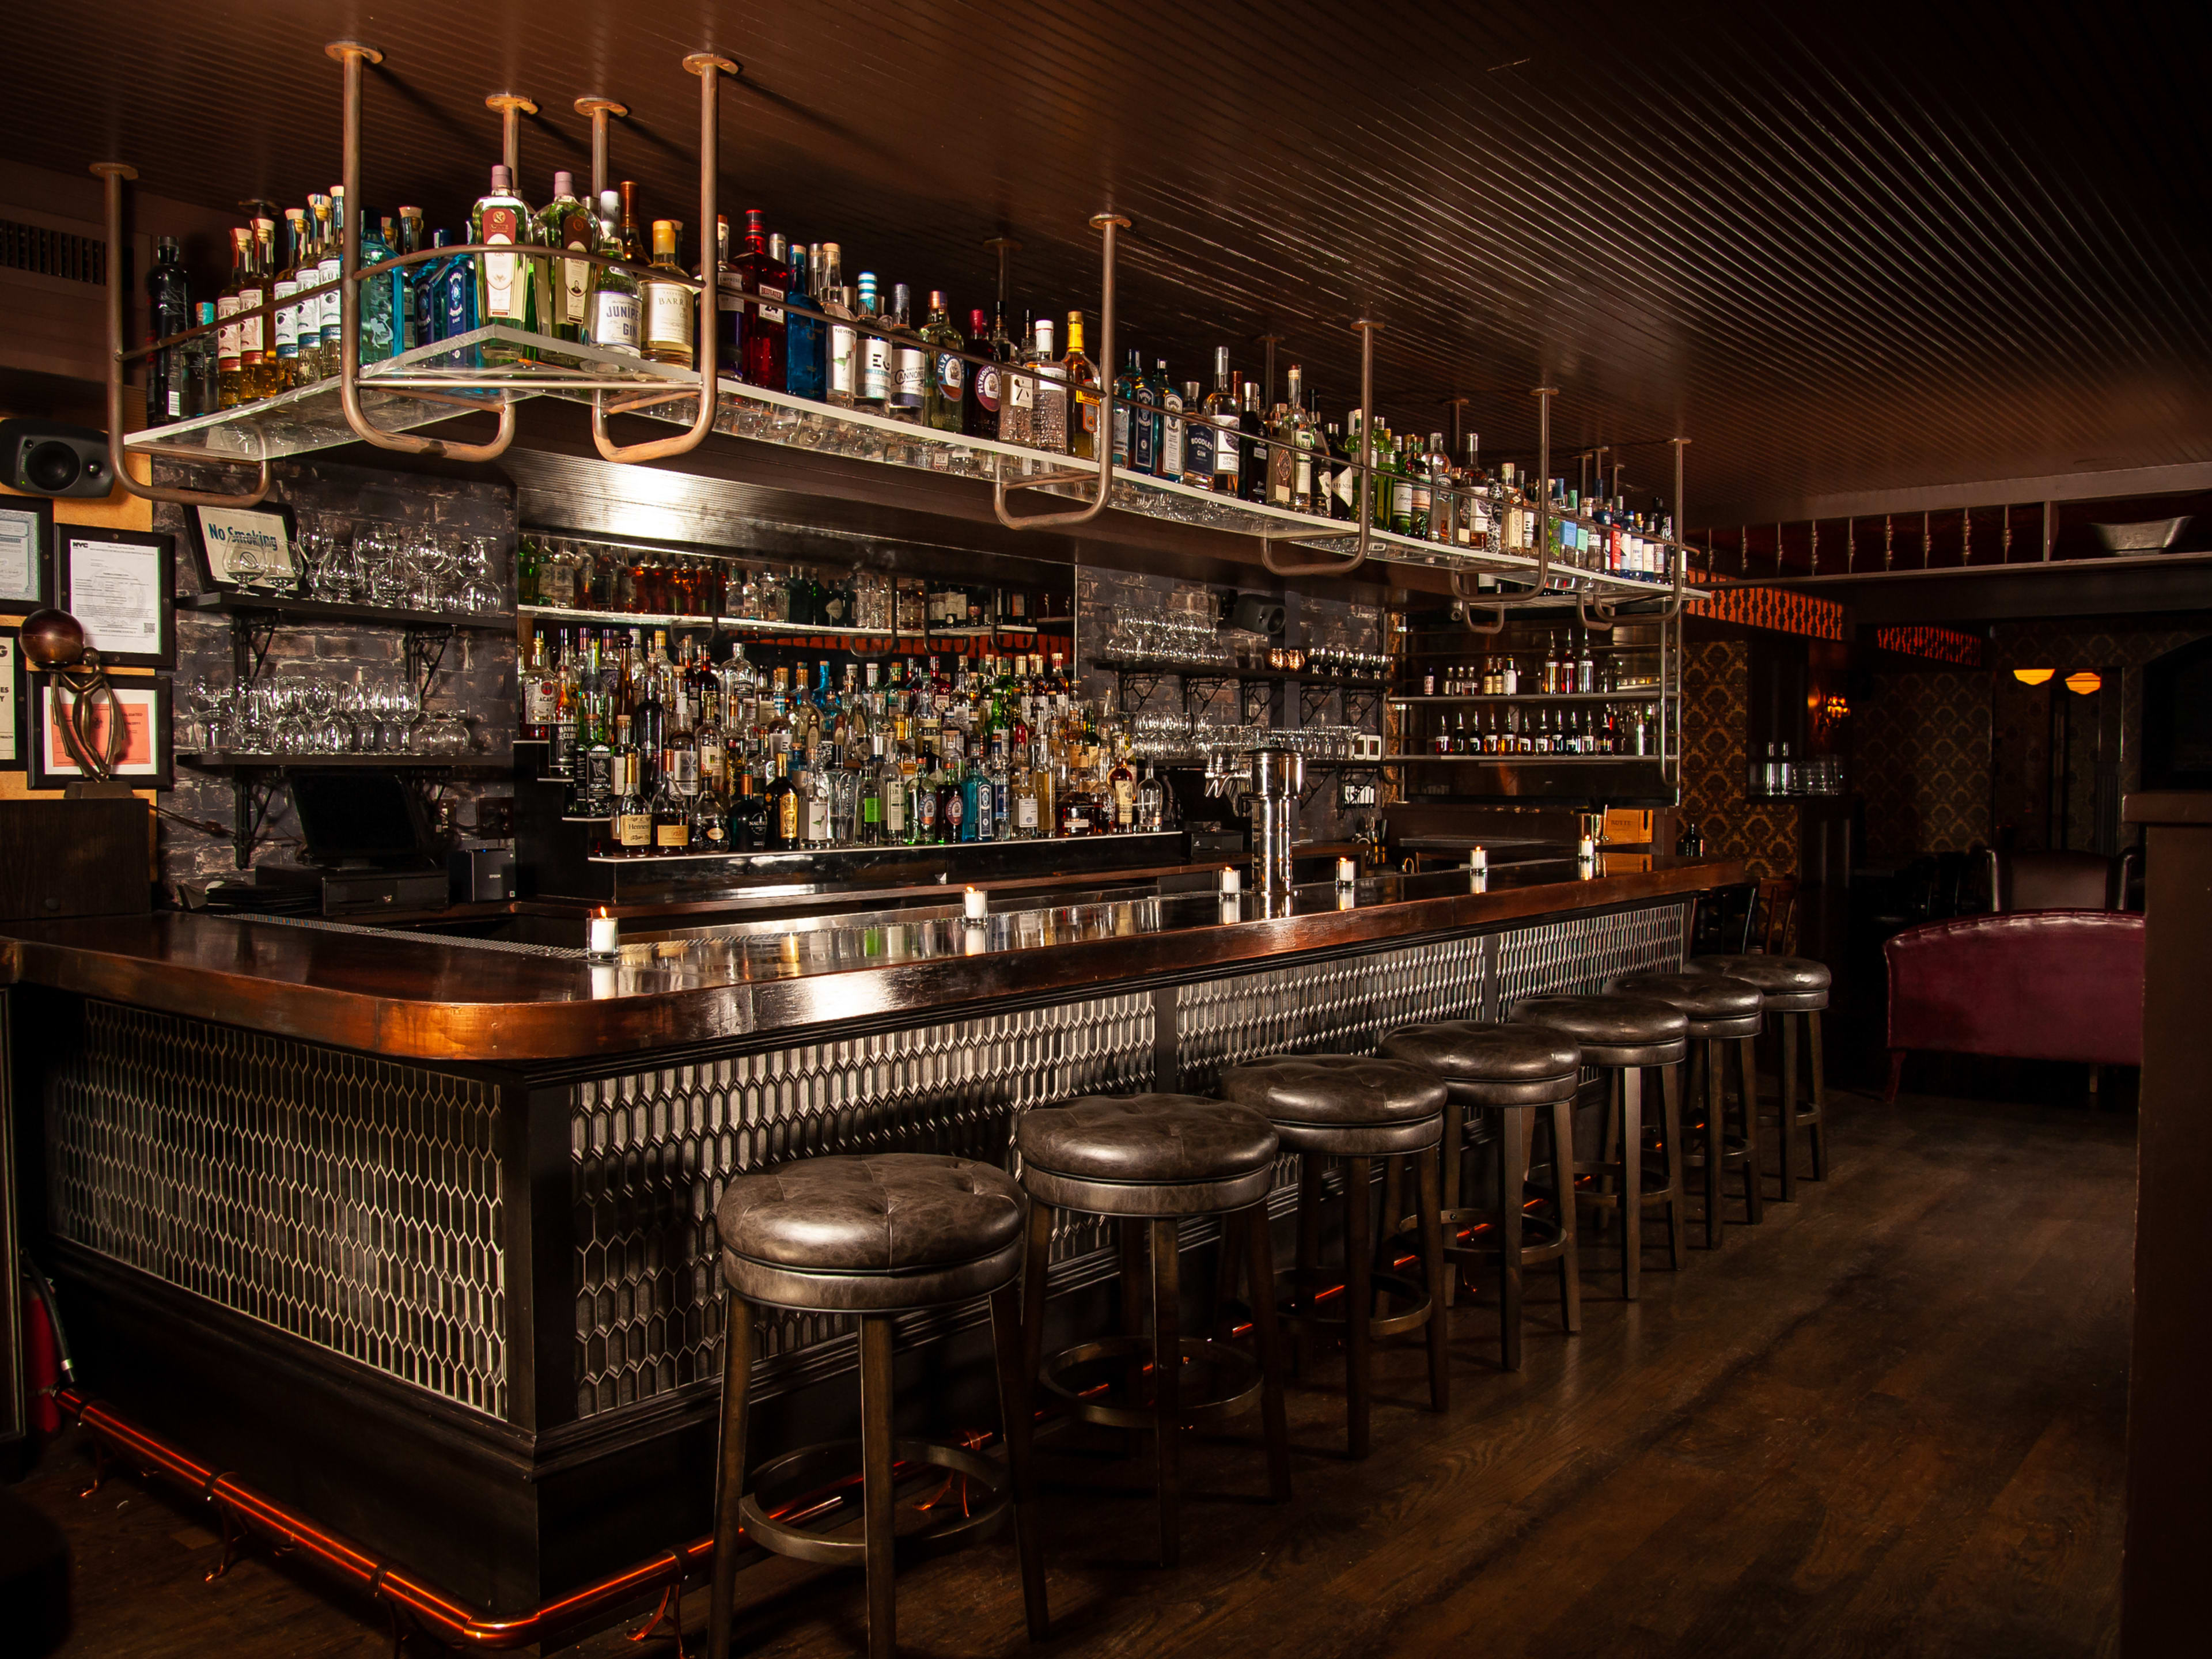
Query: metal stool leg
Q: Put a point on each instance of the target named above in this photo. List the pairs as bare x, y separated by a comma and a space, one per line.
1705, 1072
1433, 1267
1514, 1127
1670, 1097
1308, 1256
1167, 1385
1009, 1343
1358, 1303
1260, 1265
1563, 1189
730, 1468
1819, 1127
1755, 1177
878, 1517
1631, 1179
1788, 1116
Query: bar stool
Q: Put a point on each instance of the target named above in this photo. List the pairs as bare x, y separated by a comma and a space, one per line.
1795, 987
1626, 1036
1326, 1106
1156, 1158
871, 1235
1516, 1073
1721, 1011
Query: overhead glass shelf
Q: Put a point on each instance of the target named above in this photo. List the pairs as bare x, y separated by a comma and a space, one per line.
308, 418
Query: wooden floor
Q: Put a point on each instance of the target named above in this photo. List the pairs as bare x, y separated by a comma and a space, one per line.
1889, 1421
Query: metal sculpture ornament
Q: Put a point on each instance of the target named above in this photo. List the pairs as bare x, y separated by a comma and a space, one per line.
53, 640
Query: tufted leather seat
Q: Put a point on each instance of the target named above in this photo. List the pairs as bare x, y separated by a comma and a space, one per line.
1791, 984
1341, 1104
1490, 1064
1613, 1030
865, 1234
1146, 1155
1716, 1006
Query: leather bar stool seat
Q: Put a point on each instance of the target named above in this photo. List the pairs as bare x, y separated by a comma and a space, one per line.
1342, 1106
1721, 1011
1516, 1074
1796, 989
1149, 1161
871, 1237
1627, 1036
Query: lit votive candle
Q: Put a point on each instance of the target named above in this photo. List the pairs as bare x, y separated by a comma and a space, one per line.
1347, 871
602, 937
975, 905
1233, 881
1479, 861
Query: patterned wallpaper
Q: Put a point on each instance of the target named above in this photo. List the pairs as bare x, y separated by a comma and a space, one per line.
1716, 680
1923, 763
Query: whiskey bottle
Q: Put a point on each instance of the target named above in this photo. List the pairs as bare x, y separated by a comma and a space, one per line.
672, 818
566, 224
665, 301
502, 218
612, 314
631, 831
1081, 376
943, 402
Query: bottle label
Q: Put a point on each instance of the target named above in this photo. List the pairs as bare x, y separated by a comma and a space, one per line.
912, 383
872, 808
1142, 430
328, 271
951, 372
1021, 392
1025, 811
1172, 449
288, 320
842, 343
1199, 461
540, 703
895, 811
251, 332
1401, 498
771, 313
987, 386
952, 811
672, 835
227, 338
1073, 820
573, 304
633, 828
1225, 449
875, 369
668, 317
506, 294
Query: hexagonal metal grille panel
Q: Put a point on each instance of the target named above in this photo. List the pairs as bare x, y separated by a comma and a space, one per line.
651, 1151
1578, 956
345, 1200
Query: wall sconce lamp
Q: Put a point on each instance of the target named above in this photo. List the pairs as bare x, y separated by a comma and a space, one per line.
1836, 708
2084, 683
2032, 675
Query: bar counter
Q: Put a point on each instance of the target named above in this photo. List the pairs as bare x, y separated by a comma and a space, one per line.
415, 1235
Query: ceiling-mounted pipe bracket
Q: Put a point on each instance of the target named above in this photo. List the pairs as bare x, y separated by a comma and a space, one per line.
1102, 440
1368, 328
598, 109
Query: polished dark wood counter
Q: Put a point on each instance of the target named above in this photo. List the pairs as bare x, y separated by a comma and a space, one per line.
432, 998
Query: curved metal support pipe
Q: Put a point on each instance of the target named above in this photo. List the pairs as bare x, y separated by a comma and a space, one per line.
1501, 603
352, 55
710, 70
598, 109
512, 107
1368, 328
1103, 439
111, 175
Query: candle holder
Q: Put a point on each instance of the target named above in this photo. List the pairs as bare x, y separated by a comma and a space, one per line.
975, 906
602, 937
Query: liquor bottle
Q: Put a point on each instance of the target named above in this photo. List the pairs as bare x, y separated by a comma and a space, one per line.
1303, 434
805, 337
612, 315
785, 825
709, 829
632, 820
762, 342
951, 802
538, 688
1121, 796
1026, 811
910, 360
1126, 384
329, 269
404, 280
376, 314
944, 401
986, 393
1252, 426
1049, 392
264, 375
1151, 803
1081, 375
1144, 403
567, 224
672, 818
749, 815
230, 341
841, 360
1167, 458
503, 280
203, 364
1222, 412
169, 310
1198, 440
872, 387
665, 301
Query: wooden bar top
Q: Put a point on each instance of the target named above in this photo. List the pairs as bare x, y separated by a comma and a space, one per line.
413, 997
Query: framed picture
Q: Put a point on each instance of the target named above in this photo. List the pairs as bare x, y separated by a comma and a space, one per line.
119, 583
148, 759
244, 547
11, 704
27, 540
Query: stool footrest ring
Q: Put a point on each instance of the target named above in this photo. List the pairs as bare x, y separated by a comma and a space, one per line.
1097, 1407
804, 1544
1327, 1278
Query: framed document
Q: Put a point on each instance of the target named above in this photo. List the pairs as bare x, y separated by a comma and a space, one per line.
118, 584
148, 760
27, 539
244, 547
11, 704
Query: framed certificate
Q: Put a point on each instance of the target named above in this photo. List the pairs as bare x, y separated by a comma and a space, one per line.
27, 539
11, 704
148, 759
244, 547
118, 584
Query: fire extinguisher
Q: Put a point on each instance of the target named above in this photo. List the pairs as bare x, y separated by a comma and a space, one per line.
47, 1360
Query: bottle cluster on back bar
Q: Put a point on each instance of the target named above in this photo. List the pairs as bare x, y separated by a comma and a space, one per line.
667, 756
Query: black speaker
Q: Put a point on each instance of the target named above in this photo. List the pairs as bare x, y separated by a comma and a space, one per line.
46, 457
1255, 613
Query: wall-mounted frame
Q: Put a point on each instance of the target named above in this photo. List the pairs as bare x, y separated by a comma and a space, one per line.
13, 732
27, 541
119, 584
244, 547
148, 754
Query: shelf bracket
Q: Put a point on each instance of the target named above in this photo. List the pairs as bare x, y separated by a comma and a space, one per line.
710, 69
426, 649
1102, 441
111, 175
1501, 603
352, 55
253, 795
1346, 566
250, 633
